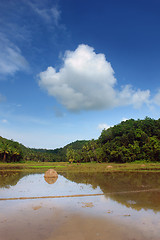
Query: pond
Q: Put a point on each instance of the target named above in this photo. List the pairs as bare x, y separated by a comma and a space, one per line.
79, 206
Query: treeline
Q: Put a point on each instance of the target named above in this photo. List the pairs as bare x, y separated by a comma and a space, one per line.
11, 151
129, 141
56, 155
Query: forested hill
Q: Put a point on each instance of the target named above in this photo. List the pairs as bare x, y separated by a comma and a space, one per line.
11, 151
132, 140
129, 141
56, 155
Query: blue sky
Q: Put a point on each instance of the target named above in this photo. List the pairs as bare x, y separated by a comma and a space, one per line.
70, 68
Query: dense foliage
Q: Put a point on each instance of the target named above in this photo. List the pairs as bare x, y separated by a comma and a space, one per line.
56, 155
11, 151
128, 141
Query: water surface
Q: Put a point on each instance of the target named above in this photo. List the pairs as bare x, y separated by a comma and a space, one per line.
128, 209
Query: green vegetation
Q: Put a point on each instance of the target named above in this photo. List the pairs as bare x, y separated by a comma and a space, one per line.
64, 167
11, 151
56, 155
129, 141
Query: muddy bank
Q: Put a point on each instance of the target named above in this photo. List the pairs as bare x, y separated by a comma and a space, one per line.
82, 227
40, 221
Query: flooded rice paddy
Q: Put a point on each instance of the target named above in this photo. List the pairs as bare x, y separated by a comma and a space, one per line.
81, 206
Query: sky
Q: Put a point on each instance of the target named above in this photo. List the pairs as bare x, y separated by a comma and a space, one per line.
70, 68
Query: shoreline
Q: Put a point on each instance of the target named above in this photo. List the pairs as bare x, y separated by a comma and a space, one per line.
81, 167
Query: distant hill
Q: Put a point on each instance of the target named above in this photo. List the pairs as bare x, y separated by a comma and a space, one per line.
129, 141
59, 154
11, 151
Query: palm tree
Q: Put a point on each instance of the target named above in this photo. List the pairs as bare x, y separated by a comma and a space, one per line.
5, 148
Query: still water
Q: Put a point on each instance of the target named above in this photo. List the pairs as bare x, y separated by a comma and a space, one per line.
127, 207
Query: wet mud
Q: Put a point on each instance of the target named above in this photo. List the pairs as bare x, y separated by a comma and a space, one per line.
39, 221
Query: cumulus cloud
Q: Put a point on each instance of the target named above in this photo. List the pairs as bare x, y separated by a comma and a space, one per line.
129, 96
86, 81
11, 59
156, 99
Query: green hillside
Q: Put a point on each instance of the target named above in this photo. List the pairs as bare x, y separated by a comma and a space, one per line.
11, 151
56, 155
129, 141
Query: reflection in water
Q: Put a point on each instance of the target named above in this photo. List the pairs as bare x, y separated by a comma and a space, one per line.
10, 178
35, 185
136, 190
113, 216
50, 180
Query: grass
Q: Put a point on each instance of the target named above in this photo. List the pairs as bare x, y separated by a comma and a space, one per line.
83, 167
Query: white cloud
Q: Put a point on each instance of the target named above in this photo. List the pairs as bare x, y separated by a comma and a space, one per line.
47, 14
124, 119
156, 99
56, 14
86, 82
102, 126
129, 96
11, 59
